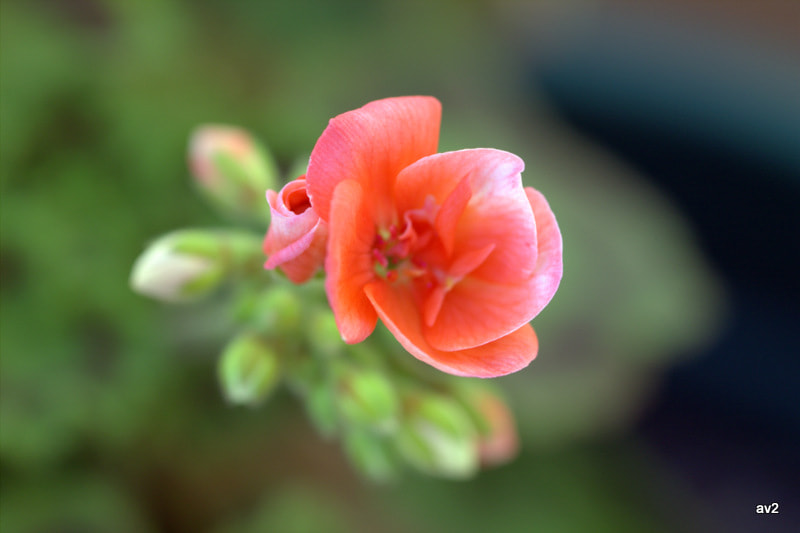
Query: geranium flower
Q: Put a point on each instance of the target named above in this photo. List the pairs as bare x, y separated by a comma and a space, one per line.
296, 238
449, 250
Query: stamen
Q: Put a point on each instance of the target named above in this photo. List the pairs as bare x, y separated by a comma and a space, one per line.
381, 259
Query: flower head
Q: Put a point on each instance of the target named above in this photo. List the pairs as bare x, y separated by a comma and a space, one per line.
449, 249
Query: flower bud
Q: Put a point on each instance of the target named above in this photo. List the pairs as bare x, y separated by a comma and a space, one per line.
321, 407
232, 169
278, 310
324, 334
168, 270
498, 442
248, 370
297, 236
370, 454
187, 264
438, 438
367, 398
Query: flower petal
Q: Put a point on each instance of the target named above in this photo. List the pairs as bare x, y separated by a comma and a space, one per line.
301, 259
371, 145
296, 238
499, 213
396, 307
349, 264
549, 260
476, 311
482, 202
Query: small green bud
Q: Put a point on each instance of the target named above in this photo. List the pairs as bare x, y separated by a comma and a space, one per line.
438, 438
324, 334
278, 310
232, 169
367, 398
321, 408
191, 263
166, 272
248, 370
370, 454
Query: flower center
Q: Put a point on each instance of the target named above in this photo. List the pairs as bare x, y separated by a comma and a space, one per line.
297, 201
413, 254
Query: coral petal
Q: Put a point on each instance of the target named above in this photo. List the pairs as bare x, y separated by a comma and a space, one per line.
371, 145
549, 260
349, 263
301, 259
476, 311
295, 241
450, 212
398, 311
499, 213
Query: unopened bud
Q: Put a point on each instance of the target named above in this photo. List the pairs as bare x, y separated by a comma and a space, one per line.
248, 370
187, 264
367, 398
232, 169
498, 442
370, 454
324, 334
168, 271
321, 408
278, 310
438, 438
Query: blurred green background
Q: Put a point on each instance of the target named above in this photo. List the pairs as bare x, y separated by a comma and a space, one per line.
111, 419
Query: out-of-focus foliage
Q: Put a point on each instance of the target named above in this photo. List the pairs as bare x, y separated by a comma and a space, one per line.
110, 413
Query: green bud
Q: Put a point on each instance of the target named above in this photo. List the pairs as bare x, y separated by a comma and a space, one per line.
238, 252
232, 169
321, 408
324, 334
248, 370
188, 264
167, 273
368, 398
370, 454
438, 438
278, 310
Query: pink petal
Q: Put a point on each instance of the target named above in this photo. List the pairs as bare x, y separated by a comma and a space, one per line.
296, 238
399, 312
549, 261
482, 203
301, 259
476, 311
371, 145
499, 213
349, 263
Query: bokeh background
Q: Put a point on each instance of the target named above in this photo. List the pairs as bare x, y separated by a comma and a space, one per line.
666, 138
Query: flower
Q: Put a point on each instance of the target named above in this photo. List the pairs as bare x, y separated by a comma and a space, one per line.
449, 249
296, 238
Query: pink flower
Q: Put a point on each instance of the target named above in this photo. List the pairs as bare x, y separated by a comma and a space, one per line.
296, 238
449, 250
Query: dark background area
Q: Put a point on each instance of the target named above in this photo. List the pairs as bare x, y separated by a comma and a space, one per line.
715, 125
